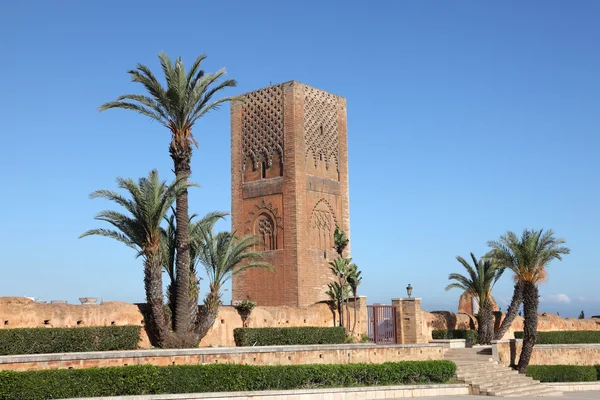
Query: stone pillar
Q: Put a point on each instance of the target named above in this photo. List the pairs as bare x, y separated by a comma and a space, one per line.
409, 321
362, 318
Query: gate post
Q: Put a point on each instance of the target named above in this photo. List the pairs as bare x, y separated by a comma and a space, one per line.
409, 321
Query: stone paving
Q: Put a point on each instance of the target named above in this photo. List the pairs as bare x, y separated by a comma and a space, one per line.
587, 395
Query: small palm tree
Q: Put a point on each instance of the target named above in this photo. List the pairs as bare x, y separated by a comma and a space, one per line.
528, 258
337, 295
140, 229
169, 249
341, 269
482, 277
187, 97
354, 280
224, 255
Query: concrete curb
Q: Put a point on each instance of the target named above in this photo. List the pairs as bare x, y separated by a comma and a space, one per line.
355, 393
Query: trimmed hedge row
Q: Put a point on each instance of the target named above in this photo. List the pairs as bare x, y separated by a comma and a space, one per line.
68, 340
565, 337
289, 336
149, 379
455, 334
564, 373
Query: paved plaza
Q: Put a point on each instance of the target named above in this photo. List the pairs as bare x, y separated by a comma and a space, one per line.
584, 395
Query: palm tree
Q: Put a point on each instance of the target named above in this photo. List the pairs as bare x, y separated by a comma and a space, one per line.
481, 278
354, 280
337, 294
140, 229
341, 268
224, 255
187, 97
528, 258
169, 248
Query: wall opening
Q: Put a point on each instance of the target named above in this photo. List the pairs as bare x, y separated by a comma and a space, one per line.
263, 170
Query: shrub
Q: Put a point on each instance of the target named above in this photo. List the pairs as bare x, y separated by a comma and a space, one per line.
565, 337
563, 373
149, 379
289, 336
244, 309
455, 334
68, 340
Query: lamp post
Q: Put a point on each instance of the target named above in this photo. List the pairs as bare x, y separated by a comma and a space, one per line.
409, 290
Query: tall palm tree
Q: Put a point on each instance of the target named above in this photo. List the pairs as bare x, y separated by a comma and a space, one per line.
528, 258
223, 256
481, 278
169, 243
354, 280
139, 228
187, 97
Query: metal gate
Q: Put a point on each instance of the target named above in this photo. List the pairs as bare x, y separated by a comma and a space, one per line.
382, 324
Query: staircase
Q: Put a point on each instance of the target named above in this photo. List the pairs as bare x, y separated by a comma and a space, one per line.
475, 366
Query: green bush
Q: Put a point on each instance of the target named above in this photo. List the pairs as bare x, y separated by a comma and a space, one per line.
149, 379
455, 334
563, 373
565, 337
68, 340
288, 336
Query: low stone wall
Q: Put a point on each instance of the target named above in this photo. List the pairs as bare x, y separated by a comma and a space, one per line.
546, 323
353, 393
21, 312
507, 352
268, 355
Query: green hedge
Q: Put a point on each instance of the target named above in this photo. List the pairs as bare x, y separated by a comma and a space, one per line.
455, 334
68, 340
564, 373
288, 336
565, 337
149, 379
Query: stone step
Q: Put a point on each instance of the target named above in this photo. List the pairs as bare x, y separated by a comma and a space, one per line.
496, 373
490, 387
531, 389
504, 382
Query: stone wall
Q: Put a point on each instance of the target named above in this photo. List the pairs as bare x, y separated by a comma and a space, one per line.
20, 312
271, 355
546, 323
507, 352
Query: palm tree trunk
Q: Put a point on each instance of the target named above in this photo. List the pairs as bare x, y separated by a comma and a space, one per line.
208, 314
485, 322
354, 323
347, 316
181, 156
158, 325
341, 312
530, 308
513, 309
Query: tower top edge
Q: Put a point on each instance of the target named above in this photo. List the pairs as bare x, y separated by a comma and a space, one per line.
291, 83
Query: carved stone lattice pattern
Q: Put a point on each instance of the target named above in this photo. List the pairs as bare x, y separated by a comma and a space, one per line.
322, 224
321, 126
264, 207
262, 126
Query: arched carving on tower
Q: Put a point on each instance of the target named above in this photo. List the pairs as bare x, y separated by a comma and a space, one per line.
264, 227
322, 224
266, 223
262, 133
321, 132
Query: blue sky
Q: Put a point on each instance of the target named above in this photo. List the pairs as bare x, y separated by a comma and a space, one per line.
466, 119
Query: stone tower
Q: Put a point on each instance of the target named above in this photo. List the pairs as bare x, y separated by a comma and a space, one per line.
289, 167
